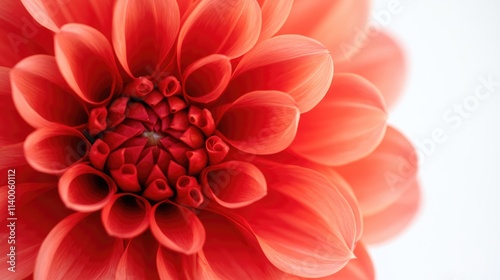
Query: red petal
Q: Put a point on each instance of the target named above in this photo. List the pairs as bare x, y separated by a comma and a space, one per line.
87, 62
172, 265
144, 33
260, 122
317, 19
126, 178
12, 156
84, 189
222, 27
310, 231
158, 190
234, 184
78, 247
347, 125
197, 160
42, 96
53, 150
189, 192
274, 15
138, 261
126, 215
383, 63
216, 149
206, 78
297, 65
99, 153
177, 228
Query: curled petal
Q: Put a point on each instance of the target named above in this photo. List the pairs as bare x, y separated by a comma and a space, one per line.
84, 189
207, 78
216, 149
126, 215
169, 86
138, 260
197, 160
347, 125
126, 178
260, 122
38, 87
158, 190
53, 150
86, 61
144, 33
234, 184
297, 65
99, 153
177, 228
274, 15
69, 250
222, 27
189, 192
98, 120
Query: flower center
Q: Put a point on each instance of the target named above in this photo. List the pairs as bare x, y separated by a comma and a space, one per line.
151, 141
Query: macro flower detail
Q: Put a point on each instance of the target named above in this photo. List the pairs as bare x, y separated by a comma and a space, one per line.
172, 139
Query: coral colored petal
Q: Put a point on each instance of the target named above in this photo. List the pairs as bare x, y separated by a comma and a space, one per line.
78, 247
383, 63
386, 173
177, 228
86, 60
260, 122
38, 87
172, 265
139, 261
207, 78
310, 231
144, 33
347, 125
234, 184
395, 218
224, 27
53, 150
274, 15
53, 15
12, 156
84, 189
334, 23
294, 64
38, 210
126, 215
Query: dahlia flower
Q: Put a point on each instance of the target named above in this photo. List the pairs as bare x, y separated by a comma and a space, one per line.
210, 139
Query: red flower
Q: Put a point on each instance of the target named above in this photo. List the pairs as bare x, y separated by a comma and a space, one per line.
167, 141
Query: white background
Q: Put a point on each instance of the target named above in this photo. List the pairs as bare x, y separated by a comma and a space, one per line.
456, 236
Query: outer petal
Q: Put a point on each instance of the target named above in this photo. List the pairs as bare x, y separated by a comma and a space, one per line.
41, 95
293, 64
383, 63
386, 173
126, 215
86, 60
53, 150
173, 265
234, 184
347, 125
78, 247
260, 122
143, 33
304, 225
12, 156
38, 210
274, 15
139, 261
177, 228
333, 23
223, 27
393, 219
54, 14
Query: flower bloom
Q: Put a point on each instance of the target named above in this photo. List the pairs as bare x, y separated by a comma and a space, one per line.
178, 139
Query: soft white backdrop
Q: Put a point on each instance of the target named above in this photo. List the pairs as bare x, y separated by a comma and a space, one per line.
456, 236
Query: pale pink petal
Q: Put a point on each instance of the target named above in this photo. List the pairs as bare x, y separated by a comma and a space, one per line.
206, 78
126, 215
53, 150
85, 189
304, 225
294, 64
274, 15
38, 87
139, 259
86, 61
177, 228
78, 248
386, 173
382, 62
53, 15
347, 124
230, 28
334, 23
234, 184
144, 33
260, 122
